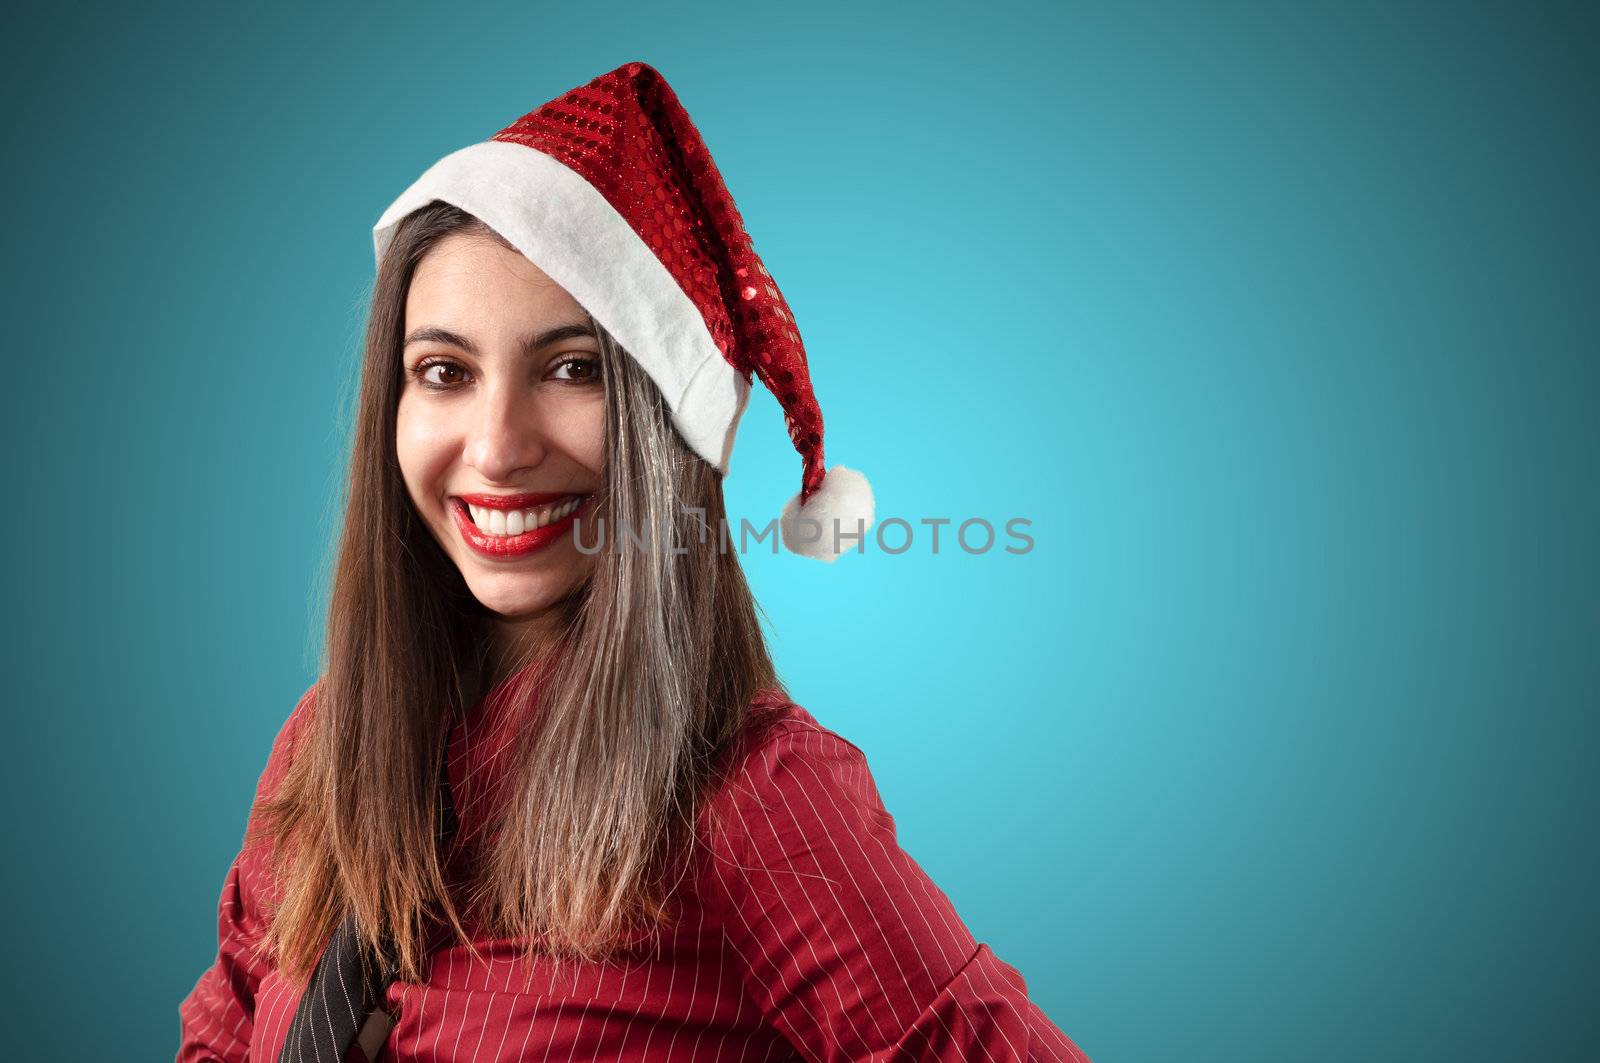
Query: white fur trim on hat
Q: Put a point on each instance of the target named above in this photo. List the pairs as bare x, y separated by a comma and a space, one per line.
562, 224
833, 520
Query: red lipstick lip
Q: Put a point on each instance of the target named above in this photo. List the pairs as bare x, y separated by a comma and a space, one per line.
527, 501
510, 546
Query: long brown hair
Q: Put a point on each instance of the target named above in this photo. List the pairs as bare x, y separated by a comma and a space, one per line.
661, 655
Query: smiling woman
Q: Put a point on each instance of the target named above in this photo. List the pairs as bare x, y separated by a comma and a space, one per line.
548, 801
500, 431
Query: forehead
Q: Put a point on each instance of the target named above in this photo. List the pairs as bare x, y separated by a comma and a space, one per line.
467, 280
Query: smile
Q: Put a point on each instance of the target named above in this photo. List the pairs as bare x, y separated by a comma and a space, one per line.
517, 521
492, 527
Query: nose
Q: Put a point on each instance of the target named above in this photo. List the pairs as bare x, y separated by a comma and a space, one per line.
503, 439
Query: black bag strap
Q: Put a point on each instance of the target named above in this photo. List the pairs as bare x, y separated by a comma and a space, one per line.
347, 987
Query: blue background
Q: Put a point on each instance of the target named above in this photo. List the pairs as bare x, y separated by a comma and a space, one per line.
1278, 321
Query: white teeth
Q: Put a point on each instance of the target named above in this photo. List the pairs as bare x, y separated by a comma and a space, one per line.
516, 522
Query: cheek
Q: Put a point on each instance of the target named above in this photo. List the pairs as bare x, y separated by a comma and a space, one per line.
581, 431
593, 454
422, 448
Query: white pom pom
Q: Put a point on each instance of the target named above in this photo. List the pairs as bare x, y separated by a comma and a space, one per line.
834, 520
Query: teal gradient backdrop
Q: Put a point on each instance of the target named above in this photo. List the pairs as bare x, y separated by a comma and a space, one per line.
1278, 322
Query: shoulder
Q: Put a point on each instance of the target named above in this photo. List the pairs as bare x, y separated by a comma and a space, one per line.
781, 732
293, 730
288, 742
253, 884
788, 774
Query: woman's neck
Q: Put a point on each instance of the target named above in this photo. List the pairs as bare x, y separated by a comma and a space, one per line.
515, 644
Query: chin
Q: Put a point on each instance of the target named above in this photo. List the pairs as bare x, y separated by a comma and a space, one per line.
513, 603
518, 595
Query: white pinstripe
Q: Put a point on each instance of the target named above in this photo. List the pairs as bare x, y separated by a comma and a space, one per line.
694, 993
449, 979
897, 859
775, 761
672, 978
844, 1007
860, 839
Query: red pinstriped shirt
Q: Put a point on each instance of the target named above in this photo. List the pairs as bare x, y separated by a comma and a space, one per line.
807, 934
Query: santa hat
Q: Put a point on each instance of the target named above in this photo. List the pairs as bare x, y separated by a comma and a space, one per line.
611, 192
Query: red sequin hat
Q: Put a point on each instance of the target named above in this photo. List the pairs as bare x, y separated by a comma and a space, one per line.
610, 190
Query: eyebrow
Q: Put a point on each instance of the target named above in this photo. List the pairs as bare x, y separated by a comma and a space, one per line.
530, 343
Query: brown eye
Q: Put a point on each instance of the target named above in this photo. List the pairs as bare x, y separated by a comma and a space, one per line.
424, 372
576, 370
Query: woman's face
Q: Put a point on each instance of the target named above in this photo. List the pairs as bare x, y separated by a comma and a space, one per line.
501, 423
